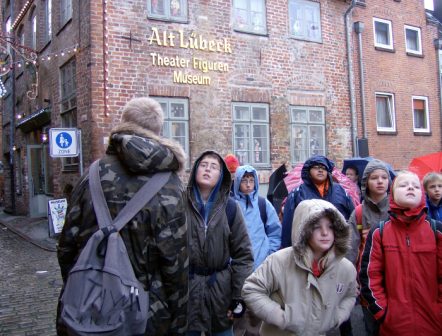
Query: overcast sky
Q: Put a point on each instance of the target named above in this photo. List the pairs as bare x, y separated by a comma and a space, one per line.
429, 4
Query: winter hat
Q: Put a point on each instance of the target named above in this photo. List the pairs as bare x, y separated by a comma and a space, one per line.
231, 162
370, 168
144, 112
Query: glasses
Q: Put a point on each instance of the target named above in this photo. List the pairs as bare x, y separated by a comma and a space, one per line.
318, 167
248, 181
210, 166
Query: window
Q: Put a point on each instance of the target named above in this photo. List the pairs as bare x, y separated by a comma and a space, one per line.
251, 133
8, 31
250, 16
48, 20
34, 30
21, 37
385, 116
68, 109
307, 126
413, 40
420, 114
65, 11
173, 10
176, 121
305, 20
383, 37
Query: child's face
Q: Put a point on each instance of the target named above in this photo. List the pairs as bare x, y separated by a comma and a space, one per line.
407, 191
351, 174
247, 184
208, 172
318, 173
377, 183
434, 191
322, 237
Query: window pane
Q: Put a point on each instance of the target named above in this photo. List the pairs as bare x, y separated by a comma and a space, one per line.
176, 8
419, 119
164, 108
412, 40
383, 111
305, 21
382, 35
242, 113
241, 143
259, 113
299, 115
300, 152
317, 141
316, 116
178, 130
177, 110
158, 7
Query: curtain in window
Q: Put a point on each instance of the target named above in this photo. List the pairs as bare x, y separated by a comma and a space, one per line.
412, 40
382, 33
383, 112
419, 114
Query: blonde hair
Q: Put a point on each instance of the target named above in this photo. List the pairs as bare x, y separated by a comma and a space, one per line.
431, 177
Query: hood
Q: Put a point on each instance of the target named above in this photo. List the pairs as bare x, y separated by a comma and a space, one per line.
369, 168
314, 160
307, 214
223, 184
142, 151
240, 171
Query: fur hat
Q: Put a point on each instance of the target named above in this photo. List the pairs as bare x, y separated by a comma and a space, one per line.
231, 162
144, 112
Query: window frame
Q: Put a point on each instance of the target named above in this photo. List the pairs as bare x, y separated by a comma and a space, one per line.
263, 152
305, 4
419, 40
391, 129
390, 34
249, 27
308, 124
427, 114
169, 120
167, 16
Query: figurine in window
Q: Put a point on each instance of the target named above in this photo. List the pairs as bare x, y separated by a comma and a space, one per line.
257, 151
175, 7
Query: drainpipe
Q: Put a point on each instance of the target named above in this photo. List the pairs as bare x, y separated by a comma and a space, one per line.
354, 130
359, 28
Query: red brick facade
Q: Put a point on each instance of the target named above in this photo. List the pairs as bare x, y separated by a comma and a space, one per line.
117, 58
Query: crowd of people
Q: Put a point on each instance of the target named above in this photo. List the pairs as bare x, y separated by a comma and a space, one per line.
217, 260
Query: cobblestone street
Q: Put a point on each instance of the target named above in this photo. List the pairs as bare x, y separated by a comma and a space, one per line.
30, 283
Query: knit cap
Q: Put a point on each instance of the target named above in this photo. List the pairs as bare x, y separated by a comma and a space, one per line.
372, 166
144, 112
232, 163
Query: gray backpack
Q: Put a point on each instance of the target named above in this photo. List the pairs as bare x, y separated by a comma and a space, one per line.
102, 295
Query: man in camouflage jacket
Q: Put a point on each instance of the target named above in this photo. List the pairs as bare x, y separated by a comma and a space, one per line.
156, 238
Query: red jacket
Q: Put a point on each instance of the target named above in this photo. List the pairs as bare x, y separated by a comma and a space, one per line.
401, 274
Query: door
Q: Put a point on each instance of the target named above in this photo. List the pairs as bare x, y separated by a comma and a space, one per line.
39, 180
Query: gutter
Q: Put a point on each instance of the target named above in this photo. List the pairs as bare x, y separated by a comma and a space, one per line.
354, 120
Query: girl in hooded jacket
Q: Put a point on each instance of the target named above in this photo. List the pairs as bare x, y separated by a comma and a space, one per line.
401, 268
308, 288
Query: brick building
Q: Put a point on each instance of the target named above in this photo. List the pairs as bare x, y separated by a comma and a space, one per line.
270, 81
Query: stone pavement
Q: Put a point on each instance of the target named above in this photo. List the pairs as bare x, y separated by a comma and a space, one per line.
34, 230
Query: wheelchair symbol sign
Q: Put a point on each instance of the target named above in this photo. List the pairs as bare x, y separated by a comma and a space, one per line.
63, 142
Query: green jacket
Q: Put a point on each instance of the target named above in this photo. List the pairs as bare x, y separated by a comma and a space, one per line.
156, 238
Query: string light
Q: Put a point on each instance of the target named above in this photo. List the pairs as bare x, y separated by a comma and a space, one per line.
60, 53
21, 14
3, 90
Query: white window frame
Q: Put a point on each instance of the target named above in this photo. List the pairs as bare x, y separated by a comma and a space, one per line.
250, 147
168, 15
65, 11
302, 144
248, 26
427, 115
418, 42
390, 98
390, 34
170, 120
305, 6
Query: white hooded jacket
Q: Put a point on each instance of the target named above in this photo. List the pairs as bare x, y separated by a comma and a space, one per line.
285, 294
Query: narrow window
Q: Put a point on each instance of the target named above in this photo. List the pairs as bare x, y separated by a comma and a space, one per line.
249, 16
385, 115
420, 114
65, 11
383, 37
305, 20
413, 40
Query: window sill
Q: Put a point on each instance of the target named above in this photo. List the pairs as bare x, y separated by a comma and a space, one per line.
250, 32
422, 133
63, 26
305, 40
387, 132
390, 50
164, 19
414, 55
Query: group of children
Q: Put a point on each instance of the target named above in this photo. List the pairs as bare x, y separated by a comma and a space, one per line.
304, 277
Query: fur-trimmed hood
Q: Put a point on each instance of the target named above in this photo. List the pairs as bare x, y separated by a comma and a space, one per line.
307, 214
142, 151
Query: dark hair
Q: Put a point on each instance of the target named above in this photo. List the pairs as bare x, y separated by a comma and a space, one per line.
354, 168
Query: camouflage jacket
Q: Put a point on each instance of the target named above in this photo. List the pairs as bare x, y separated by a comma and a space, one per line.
156, 238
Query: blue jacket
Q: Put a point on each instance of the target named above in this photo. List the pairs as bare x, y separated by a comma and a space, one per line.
265, 237
307, 190
434, 211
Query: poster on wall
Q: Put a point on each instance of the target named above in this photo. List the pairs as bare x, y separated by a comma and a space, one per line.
56, 215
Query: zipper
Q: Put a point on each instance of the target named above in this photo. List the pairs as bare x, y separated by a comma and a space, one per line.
407, 240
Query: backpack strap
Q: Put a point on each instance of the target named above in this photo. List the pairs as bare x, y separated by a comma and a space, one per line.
262, 209
231, 210
433, 225
358, 216
138, 201
381, 228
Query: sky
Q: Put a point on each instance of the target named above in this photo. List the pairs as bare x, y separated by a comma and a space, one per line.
429, 4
